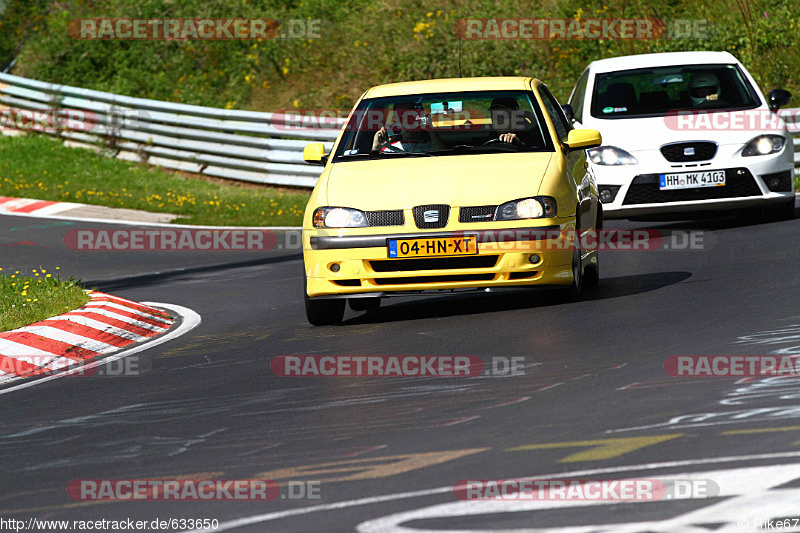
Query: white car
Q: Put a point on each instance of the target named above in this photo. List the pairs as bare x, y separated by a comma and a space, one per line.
684, 132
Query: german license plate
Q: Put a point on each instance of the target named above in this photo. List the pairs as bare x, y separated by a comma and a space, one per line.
691, 180
434, 246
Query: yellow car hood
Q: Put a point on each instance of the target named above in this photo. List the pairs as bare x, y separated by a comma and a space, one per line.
457, 180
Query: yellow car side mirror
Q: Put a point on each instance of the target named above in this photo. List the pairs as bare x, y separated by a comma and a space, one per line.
314, 154
583, 138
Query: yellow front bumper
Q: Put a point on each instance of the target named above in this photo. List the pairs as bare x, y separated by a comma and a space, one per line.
498, 264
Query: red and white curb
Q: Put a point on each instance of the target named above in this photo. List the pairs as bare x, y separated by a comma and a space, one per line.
105, 325
28, 206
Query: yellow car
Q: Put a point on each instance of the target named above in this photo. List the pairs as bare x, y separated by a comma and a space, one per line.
447, 185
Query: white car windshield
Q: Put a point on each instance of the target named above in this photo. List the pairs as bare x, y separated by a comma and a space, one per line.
659, 91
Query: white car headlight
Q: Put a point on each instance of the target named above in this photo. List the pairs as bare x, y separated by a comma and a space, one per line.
764, 145
339, 217
611, 156
538, 207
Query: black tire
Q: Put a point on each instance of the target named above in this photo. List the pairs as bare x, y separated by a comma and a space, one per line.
591, 276
370, 304
572, 293
324, 312
591, 273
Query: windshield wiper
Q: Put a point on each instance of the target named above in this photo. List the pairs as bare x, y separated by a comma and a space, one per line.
465, 148
379, 155
393, 153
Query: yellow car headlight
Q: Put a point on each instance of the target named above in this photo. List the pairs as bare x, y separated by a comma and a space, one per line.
537, 207
339, 217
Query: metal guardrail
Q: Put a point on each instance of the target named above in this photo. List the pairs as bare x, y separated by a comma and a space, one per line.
226, 143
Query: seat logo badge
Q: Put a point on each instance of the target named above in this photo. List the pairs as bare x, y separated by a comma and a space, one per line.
688, 151
431, 216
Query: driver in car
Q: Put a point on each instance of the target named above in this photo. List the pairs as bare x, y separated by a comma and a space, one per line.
704, 90
505, 115
413, 137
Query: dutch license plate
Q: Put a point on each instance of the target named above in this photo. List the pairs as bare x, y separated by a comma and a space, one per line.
691, 180
434, 246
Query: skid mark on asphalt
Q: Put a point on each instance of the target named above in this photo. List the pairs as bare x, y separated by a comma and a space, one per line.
510, 402
310, 333
365, 450
459, 421
749, 391
200, 343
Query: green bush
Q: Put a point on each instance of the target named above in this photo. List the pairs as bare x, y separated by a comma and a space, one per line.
366, 43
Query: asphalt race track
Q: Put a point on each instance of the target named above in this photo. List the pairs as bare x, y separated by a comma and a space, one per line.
388, 451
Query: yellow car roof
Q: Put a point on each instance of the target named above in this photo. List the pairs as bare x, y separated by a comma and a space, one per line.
447, 85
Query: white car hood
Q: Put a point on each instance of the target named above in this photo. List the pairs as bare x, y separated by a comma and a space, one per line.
649, 133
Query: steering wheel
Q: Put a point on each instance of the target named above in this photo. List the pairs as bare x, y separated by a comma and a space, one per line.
494, 141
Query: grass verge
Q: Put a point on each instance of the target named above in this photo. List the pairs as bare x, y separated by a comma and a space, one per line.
39, 167
29, 298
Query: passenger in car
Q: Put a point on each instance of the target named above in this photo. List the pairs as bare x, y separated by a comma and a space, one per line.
414, 132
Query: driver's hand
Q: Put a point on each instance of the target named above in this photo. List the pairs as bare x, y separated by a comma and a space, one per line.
380, 138
510, 138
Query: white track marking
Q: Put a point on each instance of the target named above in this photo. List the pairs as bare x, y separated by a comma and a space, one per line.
127, 320
190, 321
255, 519
120, 307
49, 332
100, 326
745, 489
55, 208
16, 350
